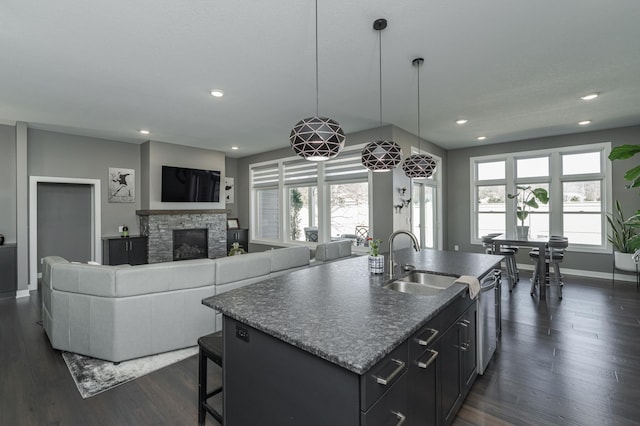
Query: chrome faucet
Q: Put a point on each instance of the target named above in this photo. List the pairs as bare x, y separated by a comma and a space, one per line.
414, 240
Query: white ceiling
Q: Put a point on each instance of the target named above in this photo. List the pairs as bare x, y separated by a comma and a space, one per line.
515, 69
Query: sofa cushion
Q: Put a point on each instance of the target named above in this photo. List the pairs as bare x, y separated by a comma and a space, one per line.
167, 276
97, 280
289, 257
242, 267
333, 250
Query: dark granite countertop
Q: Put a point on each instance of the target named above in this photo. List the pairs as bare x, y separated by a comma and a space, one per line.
339, 312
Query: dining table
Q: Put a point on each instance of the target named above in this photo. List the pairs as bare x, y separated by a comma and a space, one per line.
534, 242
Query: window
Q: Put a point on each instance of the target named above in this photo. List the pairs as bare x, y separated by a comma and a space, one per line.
267, 214
303, 213
349, 207
287, 199
577, 179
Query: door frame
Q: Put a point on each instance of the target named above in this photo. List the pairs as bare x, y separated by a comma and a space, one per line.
96, 247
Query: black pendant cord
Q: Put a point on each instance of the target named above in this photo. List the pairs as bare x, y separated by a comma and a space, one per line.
317, 85
419, 141
380, 70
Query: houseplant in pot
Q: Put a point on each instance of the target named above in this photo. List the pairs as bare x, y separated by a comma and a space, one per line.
623, 235
376, 260
527, 198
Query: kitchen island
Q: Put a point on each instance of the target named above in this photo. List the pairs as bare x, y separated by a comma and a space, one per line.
329, 345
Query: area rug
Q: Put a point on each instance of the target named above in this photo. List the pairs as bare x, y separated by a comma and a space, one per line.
94, 376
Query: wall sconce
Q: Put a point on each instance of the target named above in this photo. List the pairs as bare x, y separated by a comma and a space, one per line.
404, 202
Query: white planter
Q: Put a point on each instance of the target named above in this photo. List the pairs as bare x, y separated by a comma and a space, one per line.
624, 261
376, 264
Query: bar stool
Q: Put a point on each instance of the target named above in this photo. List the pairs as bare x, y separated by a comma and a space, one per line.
509, 255
210, 348
554, 255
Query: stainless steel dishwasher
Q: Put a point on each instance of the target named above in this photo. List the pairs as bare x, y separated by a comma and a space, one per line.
489, 318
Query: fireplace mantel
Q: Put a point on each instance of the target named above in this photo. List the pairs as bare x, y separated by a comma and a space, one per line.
172, 212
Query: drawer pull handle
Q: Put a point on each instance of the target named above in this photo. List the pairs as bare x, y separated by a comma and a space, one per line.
401, 417
423, 342
434, 355
394, 373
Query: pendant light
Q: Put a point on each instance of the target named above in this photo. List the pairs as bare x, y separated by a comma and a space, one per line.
317, 138
419, 165
381, 155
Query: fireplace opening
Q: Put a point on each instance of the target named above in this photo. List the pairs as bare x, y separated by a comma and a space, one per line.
190, 244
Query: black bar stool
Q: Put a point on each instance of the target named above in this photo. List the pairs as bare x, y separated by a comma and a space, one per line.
210, 349
509, 256
554, 255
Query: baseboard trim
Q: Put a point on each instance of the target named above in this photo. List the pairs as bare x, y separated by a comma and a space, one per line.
22, 293
588, 274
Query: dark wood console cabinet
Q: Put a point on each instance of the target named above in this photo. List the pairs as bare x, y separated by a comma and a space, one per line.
119, 251
238, 235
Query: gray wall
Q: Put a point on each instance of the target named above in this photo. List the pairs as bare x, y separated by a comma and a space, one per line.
8, 183
458, 206
231, 167
62, 155
158, 154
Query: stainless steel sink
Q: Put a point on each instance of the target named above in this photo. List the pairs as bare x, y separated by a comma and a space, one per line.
413, 288
428, 278
421, 283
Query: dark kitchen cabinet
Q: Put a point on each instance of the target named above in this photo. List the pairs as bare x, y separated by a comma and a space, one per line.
7, 270
240, 236
119, 251
458, 366
442, 364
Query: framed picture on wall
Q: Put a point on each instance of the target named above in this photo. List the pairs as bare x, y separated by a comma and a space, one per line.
233, 223
122, 185
229, 190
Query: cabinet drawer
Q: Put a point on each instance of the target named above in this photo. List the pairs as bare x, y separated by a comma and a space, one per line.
381, 377
391, 409
426, 336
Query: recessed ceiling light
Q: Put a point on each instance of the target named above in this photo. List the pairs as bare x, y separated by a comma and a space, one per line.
235, 148
481, 138
217, 93
462, 121
144, 132
584, 122
589, 96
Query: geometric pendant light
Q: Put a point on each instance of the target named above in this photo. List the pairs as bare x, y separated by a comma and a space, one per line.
419, 165
381, 155
317, 138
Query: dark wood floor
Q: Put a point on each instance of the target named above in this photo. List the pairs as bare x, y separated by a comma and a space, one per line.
569, 362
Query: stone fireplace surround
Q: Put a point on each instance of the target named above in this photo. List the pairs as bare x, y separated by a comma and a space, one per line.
158, 226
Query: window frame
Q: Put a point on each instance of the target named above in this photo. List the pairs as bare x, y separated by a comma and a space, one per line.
321, 183
555, 181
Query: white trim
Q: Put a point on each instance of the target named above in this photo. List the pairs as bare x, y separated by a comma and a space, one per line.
96, 220
555, 180
22, 293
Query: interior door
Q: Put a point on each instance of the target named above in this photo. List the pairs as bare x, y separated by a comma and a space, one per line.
424, 214
64, 221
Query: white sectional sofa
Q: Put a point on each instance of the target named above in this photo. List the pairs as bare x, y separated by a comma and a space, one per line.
122, 312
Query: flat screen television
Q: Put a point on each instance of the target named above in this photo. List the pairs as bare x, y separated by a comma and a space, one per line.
183, 185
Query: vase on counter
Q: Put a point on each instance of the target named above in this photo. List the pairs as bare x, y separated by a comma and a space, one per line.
376, 264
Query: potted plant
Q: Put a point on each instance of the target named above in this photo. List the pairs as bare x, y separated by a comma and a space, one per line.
527, 198
236, 249
376, 260
623, 235
624, 152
